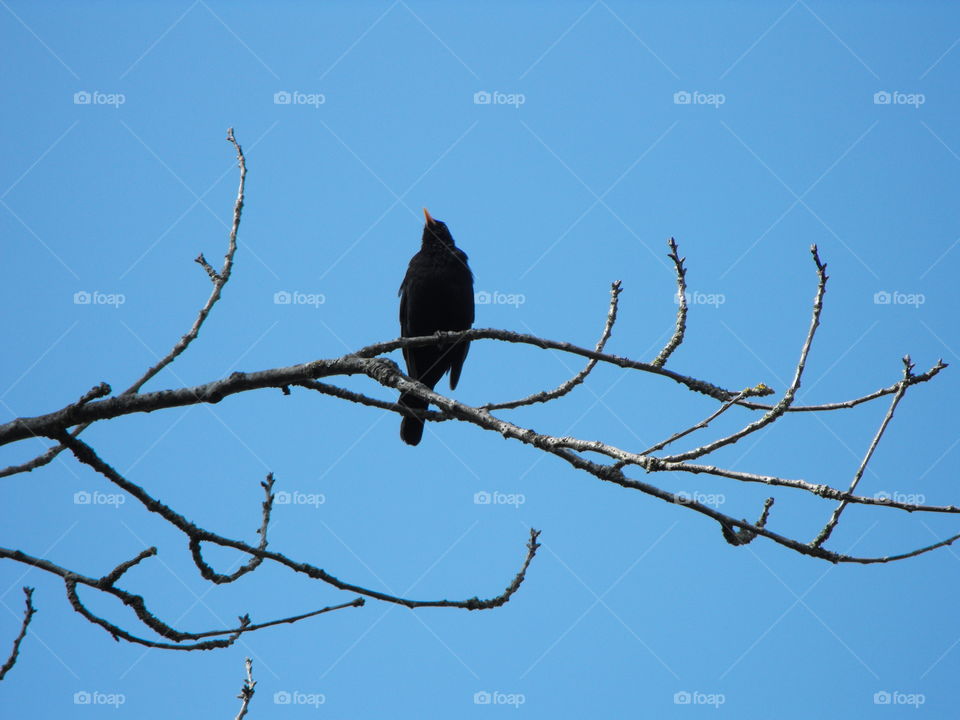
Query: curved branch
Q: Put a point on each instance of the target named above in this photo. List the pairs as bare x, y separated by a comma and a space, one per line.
681, 325
219, 280
546, 396
85, 454
136, 603
254, 562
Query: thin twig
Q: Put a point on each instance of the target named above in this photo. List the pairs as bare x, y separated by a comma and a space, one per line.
28, 614
546, 396
699, 426
841, 506
847, 404
681, 324
356, 602
791, 391
246, 692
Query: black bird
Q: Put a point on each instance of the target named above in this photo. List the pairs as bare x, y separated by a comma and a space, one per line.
436, 294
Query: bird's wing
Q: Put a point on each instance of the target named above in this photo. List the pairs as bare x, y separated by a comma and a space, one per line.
408, 354
458, 353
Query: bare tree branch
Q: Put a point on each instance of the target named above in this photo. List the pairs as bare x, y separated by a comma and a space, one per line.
847, 404
219, 279
246, 692
546, 396
835, 517
693, 428
681, 326
777, 410
602, 460
85, 454
208, 573
364, 361
28, 614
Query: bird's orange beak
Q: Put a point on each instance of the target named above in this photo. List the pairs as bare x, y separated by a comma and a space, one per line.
426, 214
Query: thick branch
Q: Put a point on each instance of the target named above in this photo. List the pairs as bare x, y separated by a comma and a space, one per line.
364, 361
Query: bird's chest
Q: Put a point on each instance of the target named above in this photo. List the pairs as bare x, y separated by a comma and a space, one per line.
437, 295
439, 274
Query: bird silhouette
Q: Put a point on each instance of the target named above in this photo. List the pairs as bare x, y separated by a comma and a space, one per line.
436, 295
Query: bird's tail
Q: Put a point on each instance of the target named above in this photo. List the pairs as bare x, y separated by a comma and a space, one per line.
411, 429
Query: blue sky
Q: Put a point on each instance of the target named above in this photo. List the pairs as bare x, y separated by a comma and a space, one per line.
748, 131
